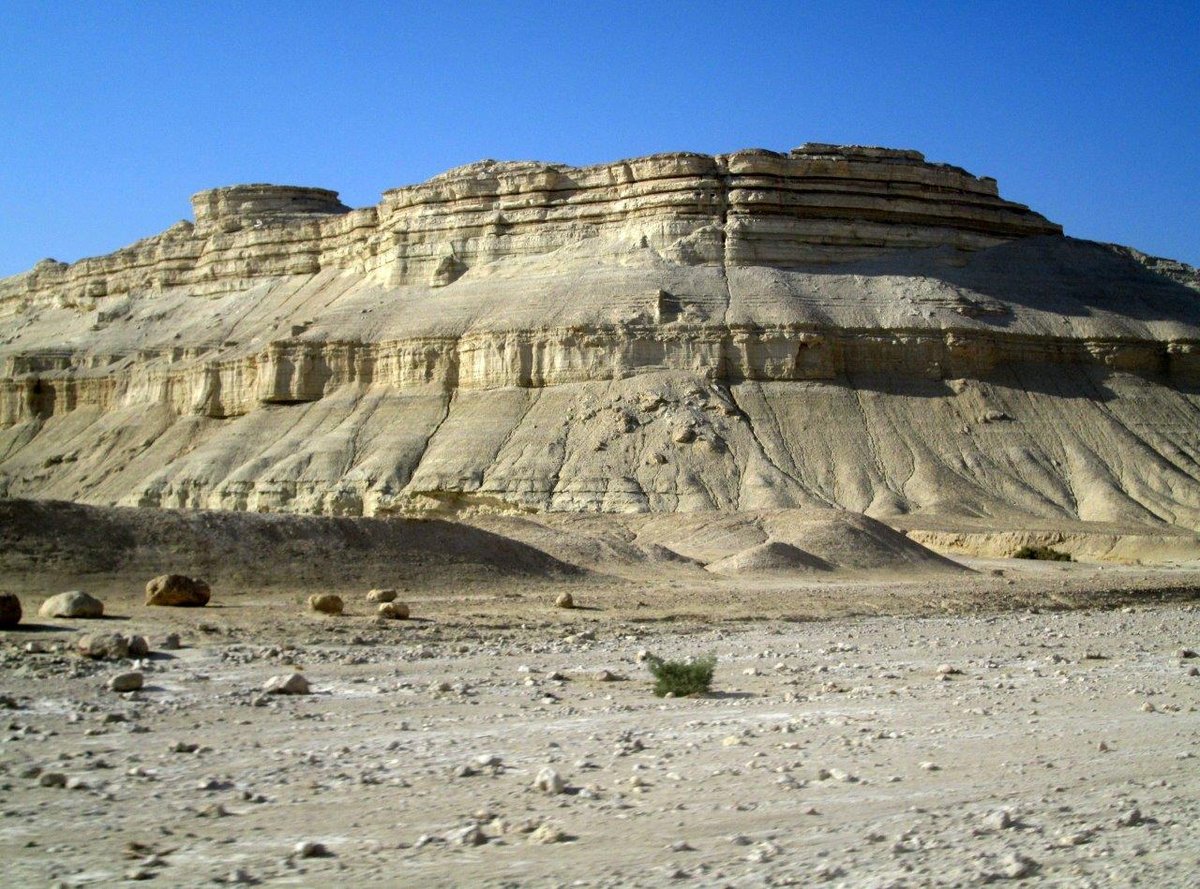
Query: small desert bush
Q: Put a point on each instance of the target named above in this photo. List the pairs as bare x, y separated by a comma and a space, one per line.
681, 678
1042, 553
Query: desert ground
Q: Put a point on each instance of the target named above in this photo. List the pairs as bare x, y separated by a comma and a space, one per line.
980, 720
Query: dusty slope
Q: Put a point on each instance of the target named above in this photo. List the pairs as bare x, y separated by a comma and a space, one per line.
48, 543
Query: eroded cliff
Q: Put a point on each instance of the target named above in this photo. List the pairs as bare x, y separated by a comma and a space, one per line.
838, 326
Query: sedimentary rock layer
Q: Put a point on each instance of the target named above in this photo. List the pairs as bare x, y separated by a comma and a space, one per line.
818, 203
837, 326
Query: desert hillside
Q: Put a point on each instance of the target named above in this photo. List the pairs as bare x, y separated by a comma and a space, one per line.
835, 327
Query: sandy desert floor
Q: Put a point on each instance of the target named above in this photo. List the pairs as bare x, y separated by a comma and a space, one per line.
1032, 722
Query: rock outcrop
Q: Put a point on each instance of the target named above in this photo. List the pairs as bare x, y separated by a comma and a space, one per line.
835, 326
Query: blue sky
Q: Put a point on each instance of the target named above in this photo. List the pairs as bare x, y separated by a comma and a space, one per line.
115, 113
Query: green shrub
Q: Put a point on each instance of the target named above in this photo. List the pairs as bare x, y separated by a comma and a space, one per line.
1043, 553
681, 678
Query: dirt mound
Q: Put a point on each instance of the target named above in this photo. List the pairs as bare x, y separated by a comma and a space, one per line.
773, 557
775, 541
50, 538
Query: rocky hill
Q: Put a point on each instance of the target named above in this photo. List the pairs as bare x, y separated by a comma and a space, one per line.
835, 326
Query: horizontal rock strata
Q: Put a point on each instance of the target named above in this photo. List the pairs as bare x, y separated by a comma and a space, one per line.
818, 203
836, 326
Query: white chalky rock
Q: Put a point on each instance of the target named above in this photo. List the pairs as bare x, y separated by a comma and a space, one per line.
294, 684
466, 836
547, 833
549, 781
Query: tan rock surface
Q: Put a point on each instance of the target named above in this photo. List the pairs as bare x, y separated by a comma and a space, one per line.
178, 591
835, 327
326, 603
73, 603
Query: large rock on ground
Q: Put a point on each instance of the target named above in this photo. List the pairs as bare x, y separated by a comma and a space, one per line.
10, 610
178, 591
103, 646
394, 611
293, 684
326, 603
74, 603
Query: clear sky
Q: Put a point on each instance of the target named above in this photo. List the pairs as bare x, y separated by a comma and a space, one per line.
112, 114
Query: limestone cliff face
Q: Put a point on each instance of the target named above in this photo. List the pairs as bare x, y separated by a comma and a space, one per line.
838, 325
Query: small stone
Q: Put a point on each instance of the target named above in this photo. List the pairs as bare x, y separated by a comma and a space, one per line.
467, 836
1076, 838
1015, 866
74, 603
998, 820
931, 767
763, 853
564, 600
605, 676
826, 872
325, 603
394, 611
177, 591
549, 781
1130, 818
948, 670
546, 834
123, 682
138, 646
53, 779
308, 849
171, 642
294, 684
388, 595
1185, 653
681, 846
